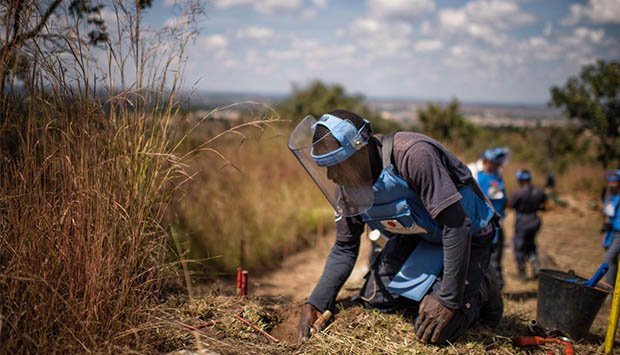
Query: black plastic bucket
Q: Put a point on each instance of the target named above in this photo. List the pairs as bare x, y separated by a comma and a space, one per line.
569, 307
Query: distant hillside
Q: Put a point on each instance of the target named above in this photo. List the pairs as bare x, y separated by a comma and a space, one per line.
483, 114
401, 110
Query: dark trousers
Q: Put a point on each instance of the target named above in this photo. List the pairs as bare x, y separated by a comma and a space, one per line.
496, 257
482, 299
611, 258
526, 228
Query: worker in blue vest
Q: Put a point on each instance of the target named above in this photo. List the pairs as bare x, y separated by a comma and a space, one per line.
438, 223
487, 171
527, 200
611, 227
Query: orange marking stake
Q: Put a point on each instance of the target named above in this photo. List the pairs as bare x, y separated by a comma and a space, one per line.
239, 281
244, 283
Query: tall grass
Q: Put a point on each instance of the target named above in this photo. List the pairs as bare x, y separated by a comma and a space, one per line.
87, 169
259, 196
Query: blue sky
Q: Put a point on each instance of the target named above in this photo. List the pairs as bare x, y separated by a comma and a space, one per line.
480, 50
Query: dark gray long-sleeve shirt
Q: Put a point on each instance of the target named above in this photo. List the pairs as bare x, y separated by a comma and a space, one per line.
427, 168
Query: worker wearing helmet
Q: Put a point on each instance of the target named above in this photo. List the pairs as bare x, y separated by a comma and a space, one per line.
438, 223
487, 171
611, 227
527, 200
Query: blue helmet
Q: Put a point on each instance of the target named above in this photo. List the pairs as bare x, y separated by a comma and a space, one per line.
524, 175
496, 155
350, 138
613, 175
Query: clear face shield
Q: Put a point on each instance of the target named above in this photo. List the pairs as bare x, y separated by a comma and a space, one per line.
335, 155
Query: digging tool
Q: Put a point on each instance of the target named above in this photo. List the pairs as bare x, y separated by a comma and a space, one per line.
613, 317
525, 341
320, 322
598, 275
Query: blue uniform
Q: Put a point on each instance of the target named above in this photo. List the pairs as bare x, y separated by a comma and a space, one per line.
611, 239
493, 187
399, 210
612, 212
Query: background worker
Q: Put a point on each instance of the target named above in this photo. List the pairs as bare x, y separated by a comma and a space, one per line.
421, 197
611, 226
487, 171
527, 200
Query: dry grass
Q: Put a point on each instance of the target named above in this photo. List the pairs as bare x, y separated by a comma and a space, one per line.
87, 169
257, 194
567, 241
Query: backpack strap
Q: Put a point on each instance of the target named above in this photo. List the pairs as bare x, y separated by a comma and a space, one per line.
387, 143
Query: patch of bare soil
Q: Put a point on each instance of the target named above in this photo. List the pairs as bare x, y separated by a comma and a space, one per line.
293, 282
286, 330
298, 274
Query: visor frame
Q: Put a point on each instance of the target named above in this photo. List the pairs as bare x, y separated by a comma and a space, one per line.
346, 134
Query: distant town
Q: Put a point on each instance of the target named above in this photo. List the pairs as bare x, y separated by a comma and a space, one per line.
404, 111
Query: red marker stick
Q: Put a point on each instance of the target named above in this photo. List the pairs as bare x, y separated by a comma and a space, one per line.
244, 283
239, 280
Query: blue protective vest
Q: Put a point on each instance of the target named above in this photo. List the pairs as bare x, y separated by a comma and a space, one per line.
612, 204
493, 187
398, 209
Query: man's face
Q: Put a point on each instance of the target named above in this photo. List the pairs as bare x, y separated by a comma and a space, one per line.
490, 167
353, 172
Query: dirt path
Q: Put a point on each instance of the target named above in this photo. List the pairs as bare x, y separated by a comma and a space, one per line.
296, 278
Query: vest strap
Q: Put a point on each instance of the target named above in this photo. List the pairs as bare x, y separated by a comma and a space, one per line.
387, 144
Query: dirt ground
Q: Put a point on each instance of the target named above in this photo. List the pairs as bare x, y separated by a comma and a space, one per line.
569, 239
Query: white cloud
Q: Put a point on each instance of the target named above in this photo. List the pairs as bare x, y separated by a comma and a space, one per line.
214, 42
486, 34
108, 17
255, 33
320, 3
496, 14
451, 19
583, 36
225, 4
428, 45
277, 6
595, 11
400, 9
382, 38
264, 6
538, 42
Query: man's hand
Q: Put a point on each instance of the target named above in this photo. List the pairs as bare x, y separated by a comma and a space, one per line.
432, 318
309, 315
